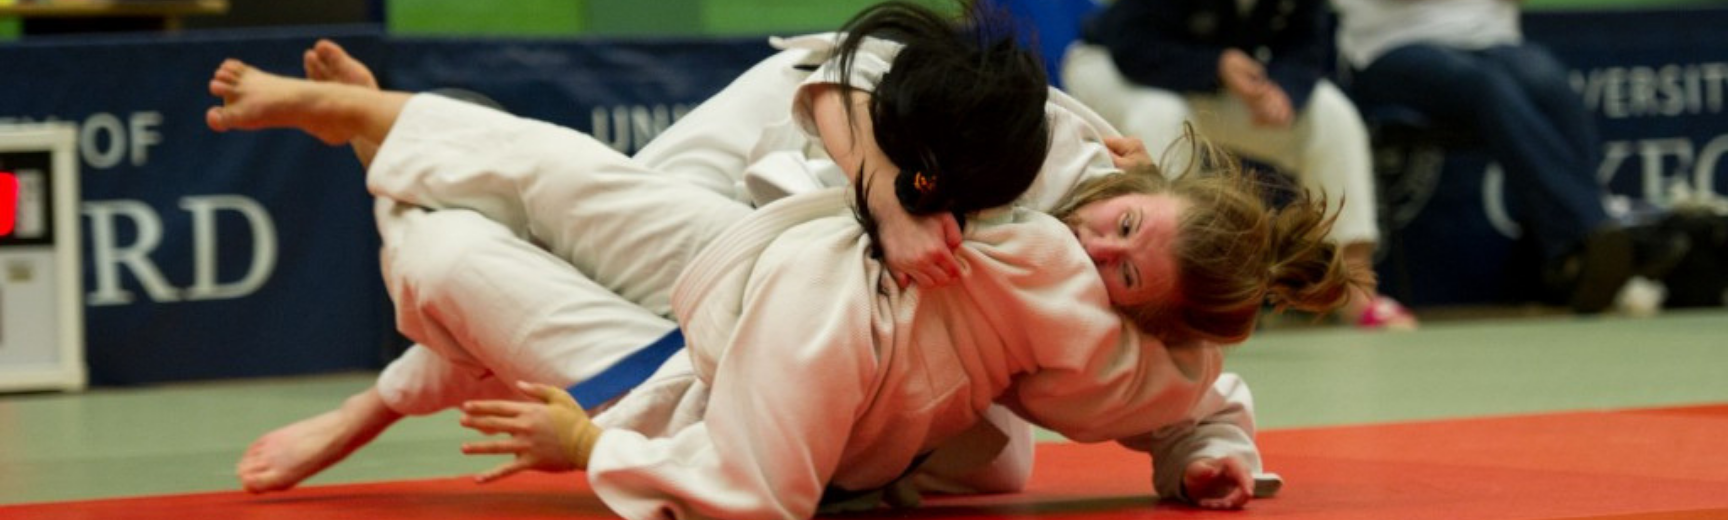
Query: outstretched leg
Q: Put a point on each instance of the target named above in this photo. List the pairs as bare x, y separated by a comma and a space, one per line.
334, 113
282, 458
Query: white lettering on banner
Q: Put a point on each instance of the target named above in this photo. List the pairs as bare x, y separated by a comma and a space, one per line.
104, 139
1704, 175
91, 136
1656, 91
1494, 202
626, 128
108, 255
1664, 162
1661, 165
144, 135
203, 209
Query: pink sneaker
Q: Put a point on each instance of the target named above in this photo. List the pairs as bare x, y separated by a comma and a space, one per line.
1385, 313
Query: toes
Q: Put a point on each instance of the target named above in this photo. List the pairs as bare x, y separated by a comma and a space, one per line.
315, 68
330, 51
232, 66
214, 118
221, 88
254, 484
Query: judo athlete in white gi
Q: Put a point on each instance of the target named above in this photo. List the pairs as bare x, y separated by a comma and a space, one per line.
756, 454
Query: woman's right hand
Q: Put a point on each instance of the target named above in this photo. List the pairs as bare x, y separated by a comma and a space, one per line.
1127, 152
1246, 78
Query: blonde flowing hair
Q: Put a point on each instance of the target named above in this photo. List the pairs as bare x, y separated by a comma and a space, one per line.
1234, 252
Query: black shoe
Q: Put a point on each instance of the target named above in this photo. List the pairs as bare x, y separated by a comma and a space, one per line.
1657, 248
1591, 277
1700, 277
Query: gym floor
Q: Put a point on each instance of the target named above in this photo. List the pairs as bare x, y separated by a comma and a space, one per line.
1629, 397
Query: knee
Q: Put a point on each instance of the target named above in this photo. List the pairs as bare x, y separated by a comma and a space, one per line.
1156, 117
1335, 116
427, 251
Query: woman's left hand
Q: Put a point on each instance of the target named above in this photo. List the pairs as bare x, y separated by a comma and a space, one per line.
552, 435
1218, 483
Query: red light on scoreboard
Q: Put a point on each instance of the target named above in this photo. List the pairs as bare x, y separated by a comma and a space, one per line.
8, 202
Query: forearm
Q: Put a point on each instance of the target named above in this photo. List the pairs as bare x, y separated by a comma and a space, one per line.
1223, 427
849, 138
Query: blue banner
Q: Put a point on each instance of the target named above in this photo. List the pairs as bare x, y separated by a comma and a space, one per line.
242, 254
205, 255
253, 253
623, 92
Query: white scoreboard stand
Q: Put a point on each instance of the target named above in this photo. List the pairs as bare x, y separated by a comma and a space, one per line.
41, 309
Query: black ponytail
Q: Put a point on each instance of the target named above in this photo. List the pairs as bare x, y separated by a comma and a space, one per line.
961, 111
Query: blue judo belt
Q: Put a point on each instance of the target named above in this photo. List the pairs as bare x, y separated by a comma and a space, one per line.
627, 373
635, 368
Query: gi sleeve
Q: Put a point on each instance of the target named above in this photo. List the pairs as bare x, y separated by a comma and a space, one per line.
1220, 426
1077, 153
873, 60
1133, 386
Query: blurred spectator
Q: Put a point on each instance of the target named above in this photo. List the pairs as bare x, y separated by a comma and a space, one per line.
1464, 65
1248, 75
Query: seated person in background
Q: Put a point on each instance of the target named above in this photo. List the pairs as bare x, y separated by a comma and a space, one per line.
1247, 74
1465, 65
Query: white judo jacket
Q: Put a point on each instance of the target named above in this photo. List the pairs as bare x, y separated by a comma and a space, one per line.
820, 370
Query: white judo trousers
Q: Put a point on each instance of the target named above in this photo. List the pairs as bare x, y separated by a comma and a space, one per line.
708, 149
1326, 147
520, 204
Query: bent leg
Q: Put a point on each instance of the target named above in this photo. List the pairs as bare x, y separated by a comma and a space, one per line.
620, 224
1155, 116
1545, 80
1562, 200
467, 289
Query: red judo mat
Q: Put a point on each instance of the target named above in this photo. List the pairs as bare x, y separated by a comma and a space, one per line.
1645, 464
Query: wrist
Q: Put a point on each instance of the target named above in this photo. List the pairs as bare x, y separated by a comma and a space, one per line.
882, 199
580, 445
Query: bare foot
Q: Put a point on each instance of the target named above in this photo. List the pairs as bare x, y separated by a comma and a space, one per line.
283, 458
254, 99
328, 62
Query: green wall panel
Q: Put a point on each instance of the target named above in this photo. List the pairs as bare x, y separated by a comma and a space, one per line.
469, 17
